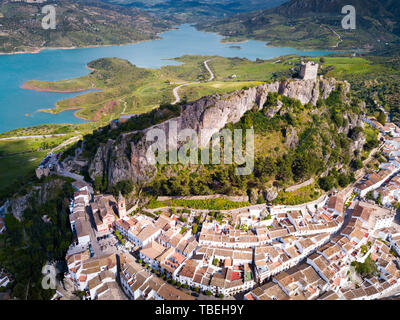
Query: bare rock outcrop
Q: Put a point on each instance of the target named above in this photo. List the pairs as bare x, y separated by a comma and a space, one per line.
330, 84
125, 158
307, 91
38, 194
291, 138
270, 194
270, 112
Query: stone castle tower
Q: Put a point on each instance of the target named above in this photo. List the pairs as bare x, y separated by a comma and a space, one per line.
121, 206
308, 70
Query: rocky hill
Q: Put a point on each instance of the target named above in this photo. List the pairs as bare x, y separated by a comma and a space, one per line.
189, 11
39, 194
316, 24
121, 154
78, 24
379, 9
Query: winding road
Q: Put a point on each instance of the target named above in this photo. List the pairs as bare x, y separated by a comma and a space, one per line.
175, 91
338, 35
67, 142
209, 70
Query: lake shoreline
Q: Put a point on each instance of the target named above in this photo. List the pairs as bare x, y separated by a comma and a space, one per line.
27, 86
38, 50
26, 96
223, 40
32, 87
50, 111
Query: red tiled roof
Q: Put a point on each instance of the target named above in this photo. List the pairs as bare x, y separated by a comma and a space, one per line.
249, 296
236, 276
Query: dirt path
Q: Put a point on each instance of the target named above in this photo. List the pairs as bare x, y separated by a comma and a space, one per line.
209, 70
175, 91
125, 104
338, 35
298, 186
66, 142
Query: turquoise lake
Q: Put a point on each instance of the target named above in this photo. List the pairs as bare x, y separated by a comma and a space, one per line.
57, 64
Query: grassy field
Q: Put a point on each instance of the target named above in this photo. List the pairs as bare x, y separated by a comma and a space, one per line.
302, 195
196, 91
349, 67
247, 70
372, 78
125, 88
18, 166
19, 158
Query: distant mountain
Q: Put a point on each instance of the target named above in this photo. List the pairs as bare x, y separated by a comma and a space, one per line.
197, 10
79, 23
373, 8
316, 24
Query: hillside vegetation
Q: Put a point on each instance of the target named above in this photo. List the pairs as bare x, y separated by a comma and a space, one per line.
29, 244
78, 24
298, 143
315, 24
19, 159
188, 11
126, 88
373, 80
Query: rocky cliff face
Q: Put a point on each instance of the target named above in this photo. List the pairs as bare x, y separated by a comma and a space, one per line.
125, 159
307, 91
38, 195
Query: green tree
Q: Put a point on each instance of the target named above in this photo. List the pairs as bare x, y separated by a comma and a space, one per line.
124, 186
97, 185
327, 183
381, 118
370, 195
367, 268
357, 164
343, 180
284, 165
